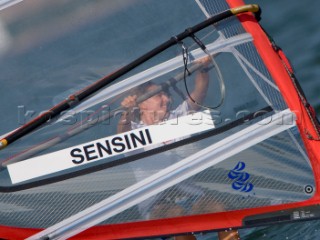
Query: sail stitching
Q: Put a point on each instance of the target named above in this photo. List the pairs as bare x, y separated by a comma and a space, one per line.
253, 81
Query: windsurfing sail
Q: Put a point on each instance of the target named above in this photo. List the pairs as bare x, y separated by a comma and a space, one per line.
219, 136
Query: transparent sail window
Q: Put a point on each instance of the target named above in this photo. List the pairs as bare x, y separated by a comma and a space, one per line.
100, 116
251, 178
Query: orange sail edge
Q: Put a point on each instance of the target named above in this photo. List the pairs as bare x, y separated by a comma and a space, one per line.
213, 222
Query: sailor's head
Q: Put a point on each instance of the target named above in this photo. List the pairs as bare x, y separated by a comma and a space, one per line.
158, 104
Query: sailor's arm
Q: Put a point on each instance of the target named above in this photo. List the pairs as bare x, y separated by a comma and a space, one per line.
124, 123
229, 235
201, 84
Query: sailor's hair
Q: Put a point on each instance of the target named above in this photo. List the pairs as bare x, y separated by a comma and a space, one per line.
143, 88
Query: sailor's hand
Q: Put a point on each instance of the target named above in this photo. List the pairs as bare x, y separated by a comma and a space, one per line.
205, 61
129, 102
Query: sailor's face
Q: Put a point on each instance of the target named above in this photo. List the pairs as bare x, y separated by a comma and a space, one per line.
157, 104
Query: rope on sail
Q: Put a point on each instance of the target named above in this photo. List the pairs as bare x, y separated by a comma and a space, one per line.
185, 55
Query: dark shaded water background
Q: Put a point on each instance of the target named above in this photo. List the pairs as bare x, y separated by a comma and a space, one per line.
294, 25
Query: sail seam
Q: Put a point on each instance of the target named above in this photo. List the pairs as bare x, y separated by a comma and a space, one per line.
256, 70
252, 80
202, 8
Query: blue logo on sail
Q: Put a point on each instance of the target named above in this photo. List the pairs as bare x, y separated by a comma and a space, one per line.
241, 178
